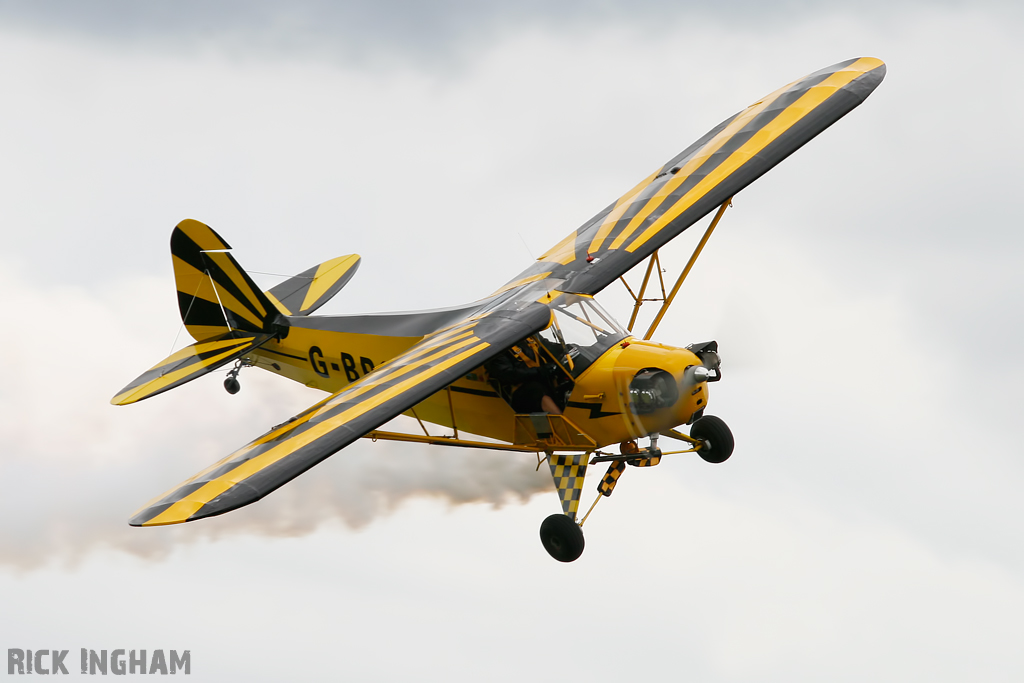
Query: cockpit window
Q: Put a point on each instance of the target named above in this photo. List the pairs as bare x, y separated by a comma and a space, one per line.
583, 329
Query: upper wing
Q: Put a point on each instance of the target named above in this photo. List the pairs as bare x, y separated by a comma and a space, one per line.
713, 169
292, 448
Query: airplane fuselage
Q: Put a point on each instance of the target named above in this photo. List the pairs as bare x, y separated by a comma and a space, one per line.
628, 389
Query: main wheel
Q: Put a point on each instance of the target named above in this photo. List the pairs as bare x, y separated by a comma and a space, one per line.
231, 385
562, 538
716, 436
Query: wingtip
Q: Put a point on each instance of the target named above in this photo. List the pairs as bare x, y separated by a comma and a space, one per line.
138, 525
876, 65
132, 395
153, 516
133, 522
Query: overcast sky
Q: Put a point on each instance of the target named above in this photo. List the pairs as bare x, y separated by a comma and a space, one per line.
866, 295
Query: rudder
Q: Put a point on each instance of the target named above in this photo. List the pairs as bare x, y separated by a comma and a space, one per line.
215, 296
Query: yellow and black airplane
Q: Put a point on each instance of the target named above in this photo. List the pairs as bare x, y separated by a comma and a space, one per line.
536, 367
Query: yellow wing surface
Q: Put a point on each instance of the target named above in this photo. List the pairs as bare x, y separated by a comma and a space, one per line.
703, 176
292, 448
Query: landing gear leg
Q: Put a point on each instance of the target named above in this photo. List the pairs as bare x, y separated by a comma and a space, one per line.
562, 538
231, 384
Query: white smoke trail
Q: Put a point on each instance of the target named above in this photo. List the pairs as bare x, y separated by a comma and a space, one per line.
74, 468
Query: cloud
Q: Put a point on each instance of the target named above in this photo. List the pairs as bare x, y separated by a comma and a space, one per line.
74, 467
864, 293
851, 301
443, 33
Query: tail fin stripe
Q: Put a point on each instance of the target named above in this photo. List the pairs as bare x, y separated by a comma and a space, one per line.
237, 312
209, 304
240, 282
185, 248
230, 295
199, 311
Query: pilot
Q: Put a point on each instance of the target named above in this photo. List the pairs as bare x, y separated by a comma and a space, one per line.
522, 379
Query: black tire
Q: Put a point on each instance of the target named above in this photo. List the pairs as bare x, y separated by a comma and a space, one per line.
716, 434
562, 538
231, 385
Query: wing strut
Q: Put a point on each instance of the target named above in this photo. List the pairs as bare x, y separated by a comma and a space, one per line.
451, 409
686, 271
638, 299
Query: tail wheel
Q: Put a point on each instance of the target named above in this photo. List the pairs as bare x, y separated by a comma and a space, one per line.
562, 538
717, 438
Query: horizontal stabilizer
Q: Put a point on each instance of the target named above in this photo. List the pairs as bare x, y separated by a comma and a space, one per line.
187, 364
311, 289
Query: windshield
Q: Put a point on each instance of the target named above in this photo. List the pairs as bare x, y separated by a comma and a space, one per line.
582, 329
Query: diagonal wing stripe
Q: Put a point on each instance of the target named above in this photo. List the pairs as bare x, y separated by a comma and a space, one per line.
236, 469
307, 415
288, 450
779, 124
616, 214
370, 389
209, 491
740, 129
226, 464
717, 166
696, 161
418, 351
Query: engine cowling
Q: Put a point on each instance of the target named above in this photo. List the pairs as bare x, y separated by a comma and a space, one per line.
641, 387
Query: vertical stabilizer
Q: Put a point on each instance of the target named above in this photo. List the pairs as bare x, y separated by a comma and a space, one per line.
215, 296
